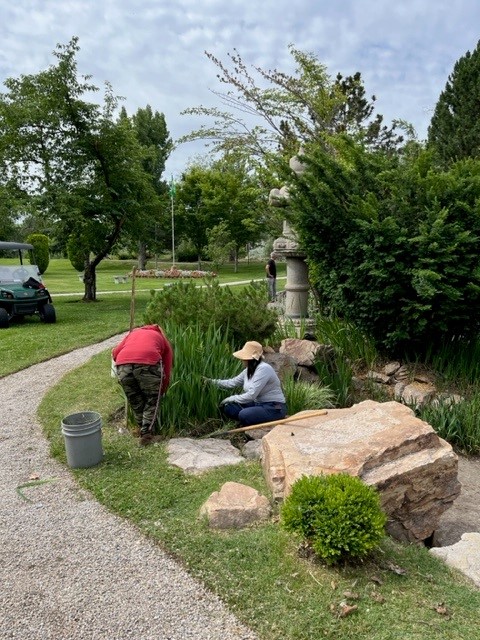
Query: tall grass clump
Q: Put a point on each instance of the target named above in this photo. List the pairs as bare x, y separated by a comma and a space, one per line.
457, 361
336, 373
242, 314
301, 395
285, 329
346, 339
352, 351
456, 422
190, 406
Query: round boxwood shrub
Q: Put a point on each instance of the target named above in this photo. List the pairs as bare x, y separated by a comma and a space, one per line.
77, 253
338, 515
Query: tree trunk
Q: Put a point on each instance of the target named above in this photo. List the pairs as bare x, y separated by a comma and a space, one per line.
90, 280
142, 255
236, 260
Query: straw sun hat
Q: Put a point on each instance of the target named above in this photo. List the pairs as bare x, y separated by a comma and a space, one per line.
250, 351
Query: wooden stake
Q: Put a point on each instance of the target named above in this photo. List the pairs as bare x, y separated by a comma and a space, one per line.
132, 324
312, 414
132, 300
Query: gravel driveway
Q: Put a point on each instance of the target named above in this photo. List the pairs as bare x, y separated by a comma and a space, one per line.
69, 569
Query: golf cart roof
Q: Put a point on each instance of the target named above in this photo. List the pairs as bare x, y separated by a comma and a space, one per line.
15, 246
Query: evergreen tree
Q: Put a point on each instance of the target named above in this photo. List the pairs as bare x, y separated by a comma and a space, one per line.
454, 131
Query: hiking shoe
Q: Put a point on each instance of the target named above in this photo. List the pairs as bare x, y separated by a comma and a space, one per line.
146, 439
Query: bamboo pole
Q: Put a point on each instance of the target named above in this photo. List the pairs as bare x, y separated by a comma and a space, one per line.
132, 300
312, 414
132, 324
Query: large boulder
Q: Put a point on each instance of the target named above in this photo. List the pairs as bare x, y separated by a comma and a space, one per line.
385, 445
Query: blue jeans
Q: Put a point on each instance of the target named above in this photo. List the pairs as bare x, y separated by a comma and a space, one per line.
254, 413
272, 288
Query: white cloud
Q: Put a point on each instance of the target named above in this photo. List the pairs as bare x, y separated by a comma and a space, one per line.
153, 52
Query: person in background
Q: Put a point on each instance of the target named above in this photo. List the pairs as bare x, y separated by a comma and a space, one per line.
144, 361
271, 269
262, 398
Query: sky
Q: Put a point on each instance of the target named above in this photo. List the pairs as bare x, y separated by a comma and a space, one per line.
152, 52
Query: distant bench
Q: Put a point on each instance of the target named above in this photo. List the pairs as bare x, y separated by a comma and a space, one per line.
120, 279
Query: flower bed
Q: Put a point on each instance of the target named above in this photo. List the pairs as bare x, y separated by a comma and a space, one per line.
173, 273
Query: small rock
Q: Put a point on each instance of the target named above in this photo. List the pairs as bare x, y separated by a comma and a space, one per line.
378, 377
391, 368
235, 506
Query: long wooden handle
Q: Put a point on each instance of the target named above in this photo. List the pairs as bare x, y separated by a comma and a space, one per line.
312, 414
132, 300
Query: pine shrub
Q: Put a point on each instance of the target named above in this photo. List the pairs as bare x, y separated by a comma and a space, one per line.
338, 515
242, 314
392, 245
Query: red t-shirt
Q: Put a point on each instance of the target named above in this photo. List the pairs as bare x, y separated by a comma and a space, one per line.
146, 345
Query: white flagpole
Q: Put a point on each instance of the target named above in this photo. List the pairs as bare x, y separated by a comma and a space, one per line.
172, 194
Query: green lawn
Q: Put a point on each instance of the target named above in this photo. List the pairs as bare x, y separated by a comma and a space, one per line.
401, 592
80, 323
61, 277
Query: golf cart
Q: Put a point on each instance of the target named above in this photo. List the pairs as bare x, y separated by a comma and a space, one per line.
22, 292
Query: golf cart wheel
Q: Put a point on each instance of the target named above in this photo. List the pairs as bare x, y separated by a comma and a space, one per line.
4, 321
47, 314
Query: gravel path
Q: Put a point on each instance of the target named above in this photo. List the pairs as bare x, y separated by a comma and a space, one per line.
69, 569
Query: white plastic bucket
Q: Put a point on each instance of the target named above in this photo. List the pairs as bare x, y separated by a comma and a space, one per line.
82, 433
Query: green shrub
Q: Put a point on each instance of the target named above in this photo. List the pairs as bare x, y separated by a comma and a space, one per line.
77, 253
240, 314
392, 245
186, 252
40, 250
337, 515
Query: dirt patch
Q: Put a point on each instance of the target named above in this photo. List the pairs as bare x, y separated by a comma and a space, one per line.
464, 515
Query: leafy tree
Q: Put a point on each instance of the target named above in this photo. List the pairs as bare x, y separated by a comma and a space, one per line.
8, 215
193, 217
220, 245
454, 131
152, 133
222, 193
72, 159
292, 110
77, 254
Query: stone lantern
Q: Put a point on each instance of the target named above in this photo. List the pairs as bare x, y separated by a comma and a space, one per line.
297, 286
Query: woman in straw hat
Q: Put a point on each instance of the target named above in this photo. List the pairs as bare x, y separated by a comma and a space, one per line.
262, 398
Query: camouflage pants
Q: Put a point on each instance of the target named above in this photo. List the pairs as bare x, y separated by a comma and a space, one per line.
142, 383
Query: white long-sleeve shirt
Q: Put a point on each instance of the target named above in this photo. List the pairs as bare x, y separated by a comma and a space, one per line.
263, 386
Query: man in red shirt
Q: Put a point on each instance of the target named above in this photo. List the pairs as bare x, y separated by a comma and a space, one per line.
144, 361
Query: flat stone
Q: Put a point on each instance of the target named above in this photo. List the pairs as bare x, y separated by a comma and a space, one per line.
376, 376
385, 445
418, 393
391, 368
195, 456
235, 506
464, 556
